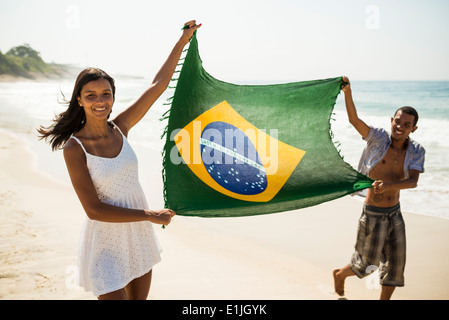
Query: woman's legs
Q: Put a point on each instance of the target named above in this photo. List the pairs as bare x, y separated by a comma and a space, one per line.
137, 289
115, 295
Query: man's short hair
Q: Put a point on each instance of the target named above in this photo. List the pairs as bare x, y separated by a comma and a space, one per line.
411, 111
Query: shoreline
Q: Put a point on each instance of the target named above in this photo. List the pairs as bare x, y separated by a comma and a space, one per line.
61, 73
68, 74
283, 256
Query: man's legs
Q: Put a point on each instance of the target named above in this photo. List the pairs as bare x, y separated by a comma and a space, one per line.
371, 232
386, 292
340, 276
379, 237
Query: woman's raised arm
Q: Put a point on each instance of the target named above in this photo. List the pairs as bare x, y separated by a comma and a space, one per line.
132, 115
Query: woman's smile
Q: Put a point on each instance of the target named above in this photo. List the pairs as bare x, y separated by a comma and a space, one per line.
97, 97
100, 109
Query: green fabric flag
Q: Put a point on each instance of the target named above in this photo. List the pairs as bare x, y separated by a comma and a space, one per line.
239, 150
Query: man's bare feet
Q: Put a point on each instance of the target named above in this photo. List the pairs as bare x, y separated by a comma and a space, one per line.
340, 276
339, 282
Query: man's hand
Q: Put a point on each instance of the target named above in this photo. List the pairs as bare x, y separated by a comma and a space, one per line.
379, 186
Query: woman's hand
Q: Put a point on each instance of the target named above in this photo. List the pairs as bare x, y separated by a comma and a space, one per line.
188, 30
163, 216
346, 86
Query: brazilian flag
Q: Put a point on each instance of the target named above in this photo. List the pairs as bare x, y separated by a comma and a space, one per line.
239, 150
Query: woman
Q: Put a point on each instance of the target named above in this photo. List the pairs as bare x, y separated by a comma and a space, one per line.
118, 247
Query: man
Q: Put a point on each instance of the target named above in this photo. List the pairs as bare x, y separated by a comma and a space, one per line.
395, 162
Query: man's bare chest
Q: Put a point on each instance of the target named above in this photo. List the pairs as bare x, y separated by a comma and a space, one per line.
390, 168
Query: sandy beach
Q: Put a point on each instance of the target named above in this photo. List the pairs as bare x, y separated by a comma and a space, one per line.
287, 256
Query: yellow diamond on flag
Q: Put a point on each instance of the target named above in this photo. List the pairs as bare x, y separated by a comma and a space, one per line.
235, 158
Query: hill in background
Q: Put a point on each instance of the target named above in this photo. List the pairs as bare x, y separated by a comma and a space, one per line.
25, 62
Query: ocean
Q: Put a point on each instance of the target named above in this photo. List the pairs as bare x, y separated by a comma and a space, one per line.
24, 106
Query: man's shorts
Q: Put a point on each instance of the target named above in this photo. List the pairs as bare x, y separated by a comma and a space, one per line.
380, 243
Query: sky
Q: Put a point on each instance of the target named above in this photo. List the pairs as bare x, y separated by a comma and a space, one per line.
241, 41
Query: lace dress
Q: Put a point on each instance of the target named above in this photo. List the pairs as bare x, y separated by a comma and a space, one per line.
113, 254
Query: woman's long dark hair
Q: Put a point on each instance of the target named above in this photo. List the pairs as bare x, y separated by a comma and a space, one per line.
73, 119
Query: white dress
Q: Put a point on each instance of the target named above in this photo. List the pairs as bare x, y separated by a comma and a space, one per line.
113, 254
